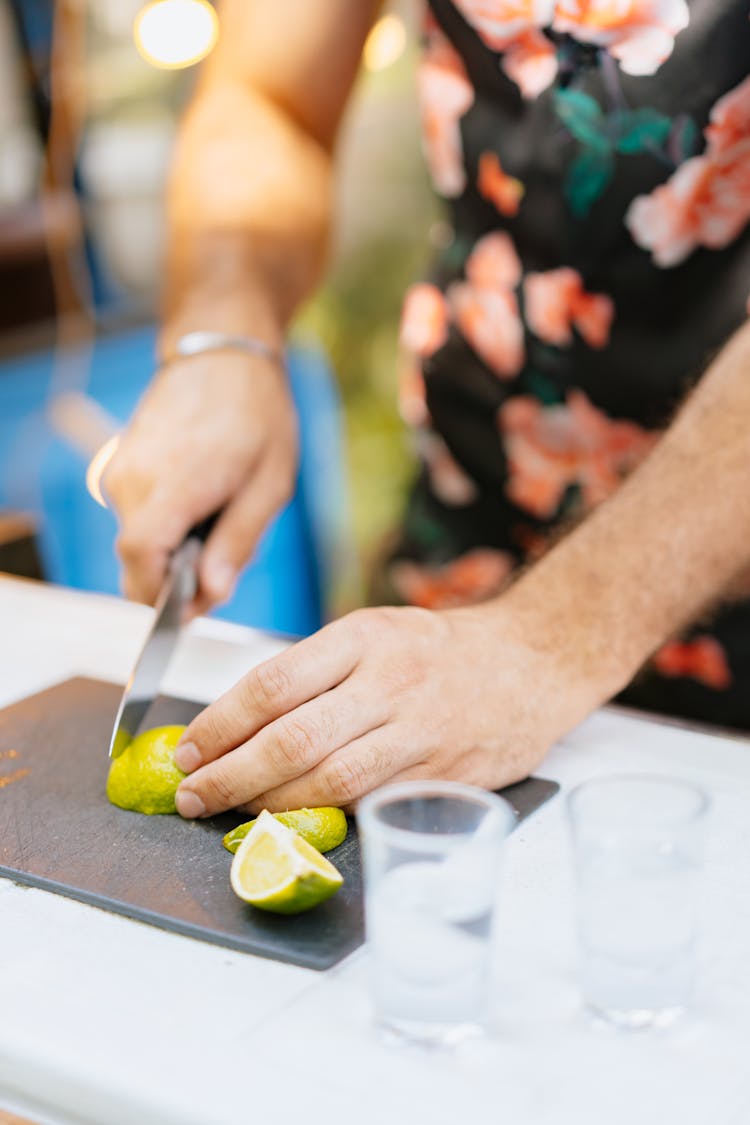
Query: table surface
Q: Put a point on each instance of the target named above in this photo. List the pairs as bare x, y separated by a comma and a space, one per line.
108, 1021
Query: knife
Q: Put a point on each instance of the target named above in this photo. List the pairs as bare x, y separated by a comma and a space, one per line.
178, 589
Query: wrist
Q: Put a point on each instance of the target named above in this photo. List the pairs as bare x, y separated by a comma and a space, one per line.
517, 652
242, 311
227, 282
558, 615
209, 342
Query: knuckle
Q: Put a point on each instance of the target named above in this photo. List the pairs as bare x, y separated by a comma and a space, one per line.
211, 728
130, 546
389, 616
363, 622
346, 780
219, 788
297, 744
125, 479
270, 684
375, 621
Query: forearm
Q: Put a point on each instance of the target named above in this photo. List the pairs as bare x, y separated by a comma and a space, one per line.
663, 548
248, 216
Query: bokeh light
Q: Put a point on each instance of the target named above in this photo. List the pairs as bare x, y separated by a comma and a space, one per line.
385, 43
172, 34
97, 467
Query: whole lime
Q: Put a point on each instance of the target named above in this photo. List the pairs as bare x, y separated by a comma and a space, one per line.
144, 778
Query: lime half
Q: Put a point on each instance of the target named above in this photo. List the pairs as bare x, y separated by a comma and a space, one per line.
144, 778
276, 870
324, 828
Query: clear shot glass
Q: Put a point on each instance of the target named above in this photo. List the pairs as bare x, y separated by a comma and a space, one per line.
638, 844
432, 853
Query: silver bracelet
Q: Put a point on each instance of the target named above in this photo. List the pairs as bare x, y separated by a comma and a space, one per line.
201, 342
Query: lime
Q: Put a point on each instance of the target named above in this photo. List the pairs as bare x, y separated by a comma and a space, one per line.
276, 870
144, 777
324, 828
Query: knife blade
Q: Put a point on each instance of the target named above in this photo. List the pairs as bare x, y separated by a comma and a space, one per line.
178, 589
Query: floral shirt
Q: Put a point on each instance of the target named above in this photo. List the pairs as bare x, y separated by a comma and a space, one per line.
594, 157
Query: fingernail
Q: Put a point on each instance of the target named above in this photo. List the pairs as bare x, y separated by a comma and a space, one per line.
187, 757
189, 804
220, 579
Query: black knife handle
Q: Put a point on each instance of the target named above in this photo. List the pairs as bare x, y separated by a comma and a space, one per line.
202, 530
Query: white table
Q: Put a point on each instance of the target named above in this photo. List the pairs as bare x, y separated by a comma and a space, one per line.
107, 1021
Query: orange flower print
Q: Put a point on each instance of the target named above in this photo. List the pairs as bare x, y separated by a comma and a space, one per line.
640, 34
548, 449
471, 578
494, 263
448, 480
705, 203
729, 122
445, 95
501, 22
556, 301
494, 184
707, 200
424, 319
514, 28
490, 323
531, 62
702, 659
485, 306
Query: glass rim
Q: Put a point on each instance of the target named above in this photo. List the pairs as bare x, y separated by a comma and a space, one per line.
500, 811
701, 799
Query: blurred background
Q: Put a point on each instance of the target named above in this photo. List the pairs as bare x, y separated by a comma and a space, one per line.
90, 95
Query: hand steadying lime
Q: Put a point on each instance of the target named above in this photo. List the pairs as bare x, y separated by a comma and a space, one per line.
276, 870
144, 778
323, 828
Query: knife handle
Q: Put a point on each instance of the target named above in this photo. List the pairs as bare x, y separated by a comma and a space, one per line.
185, 558
202, 530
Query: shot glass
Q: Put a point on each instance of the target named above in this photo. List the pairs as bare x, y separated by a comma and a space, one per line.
638, 846
432, 855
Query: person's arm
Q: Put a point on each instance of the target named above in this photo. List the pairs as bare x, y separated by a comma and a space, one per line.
249, 207
481, 694
666, 546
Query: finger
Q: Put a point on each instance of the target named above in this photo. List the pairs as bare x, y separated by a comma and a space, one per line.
345, 776
286, 748
122, 485
466, 769
272, 689
235, 536
145, 544
349, 774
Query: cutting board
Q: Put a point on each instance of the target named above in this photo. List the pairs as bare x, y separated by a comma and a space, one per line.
59, 832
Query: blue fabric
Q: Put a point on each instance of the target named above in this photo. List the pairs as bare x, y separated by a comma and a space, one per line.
282, 588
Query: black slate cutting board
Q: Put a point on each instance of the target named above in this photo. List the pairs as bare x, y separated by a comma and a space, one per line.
59, 832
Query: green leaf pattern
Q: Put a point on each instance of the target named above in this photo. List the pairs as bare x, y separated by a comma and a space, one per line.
587, 179
601, 137
640, 130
